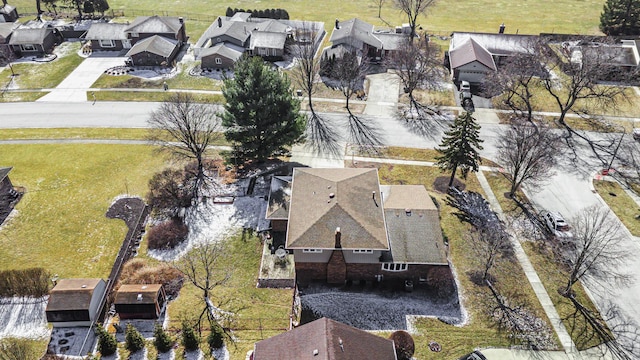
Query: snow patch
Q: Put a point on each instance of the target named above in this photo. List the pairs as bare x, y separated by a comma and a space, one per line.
221, 353
123, 196
14, 213
23, 317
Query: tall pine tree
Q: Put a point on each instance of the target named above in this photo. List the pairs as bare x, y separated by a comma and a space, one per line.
459, 147
620, 17
261, 116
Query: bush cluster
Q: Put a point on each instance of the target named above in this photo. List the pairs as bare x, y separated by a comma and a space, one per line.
136, 271
403, 342
32, 282
167, 235
278, 14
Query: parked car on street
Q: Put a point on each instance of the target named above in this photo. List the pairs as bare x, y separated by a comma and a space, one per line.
556, 224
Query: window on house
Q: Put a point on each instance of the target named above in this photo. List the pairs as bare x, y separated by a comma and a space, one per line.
134, 34
312, 250
394, 267
363, 251
28, 47
262, 51
107, 43
218, 61
274, 52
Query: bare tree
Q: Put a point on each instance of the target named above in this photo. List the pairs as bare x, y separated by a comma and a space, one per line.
379, 4
320, 135
595, 255
515, 80
206, 267
7, 56
185, 129
350, 70
489, 247
417, 67
413, 8
528, 154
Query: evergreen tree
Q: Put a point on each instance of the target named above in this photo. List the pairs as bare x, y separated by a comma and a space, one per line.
190, 339
620, 17
100, 6
133, 339
107, 343
459, 147
261, 115
162, 341
229, 12
88, 7
216, 337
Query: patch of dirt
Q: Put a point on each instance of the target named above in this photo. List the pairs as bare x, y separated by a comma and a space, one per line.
126, 209
441, 184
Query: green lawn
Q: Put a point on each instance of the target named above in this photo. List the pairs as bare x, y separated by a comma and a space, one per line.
621, 204
157, 96
44, 75
60, 222
74, 133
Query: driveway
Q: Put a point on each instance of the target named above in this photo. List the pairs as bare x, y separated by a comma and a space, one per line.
74, 87
382, 98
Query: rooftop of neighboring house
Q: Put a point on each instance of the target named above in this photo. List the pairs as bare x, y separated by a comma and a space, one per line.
323, 200
469, 51
29, 35
6, 8
494, 43
325, 339
155, 44
267, 39
4, 172
107, 31
230, 51
279, 198
155, 25
72, 294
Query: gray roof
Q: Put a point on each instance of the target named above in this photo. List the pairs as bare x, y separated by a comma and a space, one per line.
29, 36
155, 44
355, 29
413, 225
264, 39
239, 30
240, 16
228, 51
323, 200
468, 52
391, 41
279, 198
272, 26
4, 171
496, 44
7, 9
107, 31
7, 28
155, 25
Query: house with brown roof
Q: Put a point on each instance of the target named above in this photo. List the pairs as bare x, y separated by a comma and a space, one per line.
75, 302
342, 225
473, 55
140, 301
325, 339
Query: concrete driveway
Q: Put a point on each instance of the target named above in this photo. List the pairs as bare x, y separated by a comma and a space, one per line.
74, 87
382, 99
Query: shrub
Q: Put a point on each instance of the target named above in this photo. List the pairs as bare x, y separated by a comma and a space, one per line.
216, 337
133, 341
169, 192
107, 343
190, 339
14, 348
404, 344
168, 234
136, 271
162, 341
27, 282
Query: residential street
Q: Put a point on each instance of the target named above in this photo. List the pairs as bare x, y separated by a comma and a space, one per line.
568, 191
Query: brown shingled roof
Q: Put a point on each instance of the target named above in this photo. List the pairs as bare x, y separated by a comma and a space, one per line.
325, 199
128, 293
470, 51
330, 339
72, 294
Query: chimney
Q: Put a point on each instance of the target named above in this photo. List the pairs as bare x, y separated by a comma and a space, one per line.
338, 245
501, 29
181, 20
337, 24
219, 22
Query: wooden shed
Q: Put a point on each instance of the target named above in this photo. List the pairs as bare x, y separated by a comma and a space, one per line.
75, 302
140, 301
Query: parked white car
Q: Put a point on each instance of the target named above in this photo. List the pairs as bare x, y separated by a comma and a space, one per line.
556, 224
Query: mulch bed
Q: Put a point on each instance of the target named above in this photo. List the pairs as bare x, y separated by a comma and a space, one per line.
126, 209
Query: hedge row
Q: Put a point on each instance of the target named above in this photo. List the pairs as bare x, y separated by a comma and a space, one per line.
32, 282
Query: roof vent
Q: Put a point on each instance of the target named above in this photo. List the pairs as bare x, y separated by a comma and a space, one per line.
83, 286
139, 298
332, 195
407, 211
315, 352
144, 287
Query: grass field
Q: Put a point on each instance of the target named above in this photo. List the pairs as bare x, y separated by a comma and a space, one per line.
60, 222
621, 204
532, 17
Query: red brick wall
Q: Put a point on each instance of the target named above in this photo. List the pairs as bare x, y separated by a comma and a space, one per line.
336, 268
279, 225
307, 271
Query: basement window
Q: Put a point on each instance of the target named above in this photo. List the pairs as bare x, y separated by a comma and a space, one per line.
363, 251
394, 267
